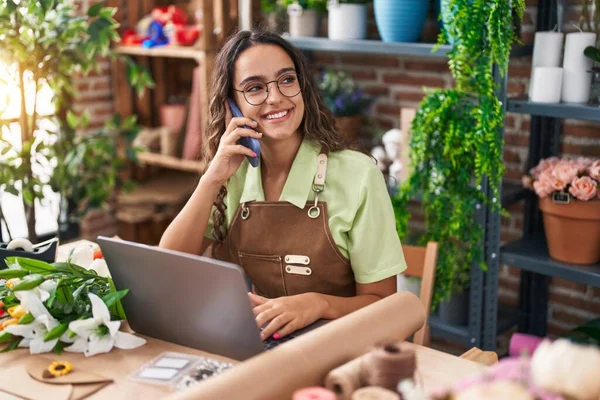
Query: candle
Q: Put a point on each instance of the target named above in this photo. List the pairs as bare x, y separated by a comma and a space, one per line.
576, 78
547, 51
545, 86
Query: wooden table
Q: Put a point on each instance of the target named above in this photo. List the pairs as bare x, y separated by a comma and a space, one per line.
435, 368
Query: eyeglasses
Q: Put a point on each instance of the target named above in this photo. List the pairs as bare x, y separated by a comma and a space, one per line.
257, 92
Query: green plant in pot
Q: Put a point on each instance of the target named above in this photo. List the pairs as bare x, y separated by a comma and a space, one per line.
46, 44
345, 99
304, 16
455, 142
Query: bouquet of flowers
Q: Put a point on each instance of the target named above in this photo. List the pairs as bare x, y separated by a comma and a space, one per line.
71, 306
579, 178
341, 94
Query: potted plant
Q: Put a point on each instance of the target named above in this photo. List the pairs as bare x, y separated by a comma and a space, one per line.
347, 19
570, 202
454, 144
400, 20
60, 45
276, 16
345, 99
305, 16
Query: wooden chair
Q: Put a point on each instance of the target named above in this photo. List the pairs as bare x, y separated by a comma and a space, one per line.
480, 356
421, 262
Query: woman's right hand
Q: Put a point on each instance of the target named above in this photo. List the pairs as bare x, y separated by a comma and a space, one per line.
230, 155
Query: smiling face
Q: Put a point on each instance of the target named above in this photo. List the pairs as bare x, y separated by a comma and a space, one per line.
280, 116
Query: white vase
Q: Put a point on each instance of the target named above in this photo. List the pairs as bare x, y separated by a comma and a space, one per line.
347, 21
303, 22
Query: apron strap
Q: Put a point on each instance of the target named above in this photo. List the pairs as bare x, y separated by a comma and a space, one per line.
319, 182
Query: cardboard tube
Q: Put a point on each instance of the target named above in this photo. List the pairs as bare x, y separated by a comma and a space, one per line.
306, 360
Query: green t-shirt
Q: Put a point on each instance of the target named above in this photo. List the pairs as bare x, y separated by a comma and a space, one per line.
361, 217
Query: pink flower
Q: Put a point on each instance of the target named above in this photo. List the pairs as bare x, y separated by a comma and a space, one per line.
565, 171
545, 164
527, 181
584, 188
594, 170
581, 164
543, 185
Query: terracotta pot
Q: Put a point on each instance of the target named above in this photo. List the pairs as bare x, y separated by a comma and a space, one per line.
572, 230
349, 126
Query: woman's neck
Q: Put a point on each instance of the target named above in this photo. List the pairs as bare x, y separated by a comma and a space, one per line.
278, 156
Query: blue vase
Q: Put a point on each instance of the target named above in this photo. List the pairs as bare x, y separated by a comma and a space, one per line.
400, 20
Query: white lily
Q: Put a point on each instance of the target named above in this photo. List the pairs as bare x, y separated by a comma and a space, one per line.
34, 332
42, 292
84, 257
99, 334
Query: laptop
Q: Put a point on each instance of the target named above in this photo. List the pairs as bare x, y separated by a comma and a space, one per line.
190, 300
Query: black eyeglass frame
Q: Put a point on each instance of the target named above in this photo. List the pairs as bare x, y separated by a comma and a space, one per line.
300, 81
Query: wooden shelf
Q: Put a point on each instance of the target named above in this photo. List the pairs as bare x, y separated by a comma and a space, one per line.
169, 188
163, 51
162, 160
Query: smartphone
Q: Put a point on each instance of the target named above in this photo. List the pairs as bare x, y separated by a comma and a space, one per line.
249, 142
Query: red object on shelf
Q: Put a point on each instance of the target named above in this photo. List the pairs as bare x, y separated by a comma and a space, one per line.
186, 35
98, 254
131, 38
172, 14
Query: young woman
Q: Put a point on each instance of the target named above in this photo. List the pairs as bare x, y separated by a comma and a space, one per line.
312, 225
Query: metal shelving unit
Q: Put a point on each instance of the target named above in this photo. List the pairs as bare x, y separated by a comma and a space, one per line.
530, 253
481, 329
369, 47
554, 110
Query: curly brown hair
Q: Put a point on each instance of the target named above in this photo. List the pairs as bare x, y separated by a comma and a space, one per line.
318, 123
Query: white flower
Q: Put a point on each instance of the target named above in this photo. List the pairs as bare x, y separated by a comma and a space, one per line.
34, 332
84, 257
42, 291
99, 334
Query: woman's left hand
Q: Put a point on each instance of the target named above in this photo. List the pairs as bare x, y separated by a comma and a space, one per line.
285, 315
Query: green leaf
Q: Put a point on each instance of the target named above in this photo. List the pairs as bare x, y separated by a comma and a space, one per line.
35, 266
13, 345
13, 273
117, 308
591, 332
60, 346
72, 120
113, 297
5, 337
94, 10
28, 284
57, 332
26, 319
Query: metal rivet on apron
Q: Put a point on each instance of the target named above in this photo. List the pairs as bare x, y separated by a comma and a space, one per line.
314, 212
322, 162
320, 176
245, 211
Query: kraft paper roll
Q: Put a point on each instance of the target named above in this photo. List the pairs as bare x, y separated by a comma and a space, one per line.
374, 393
305, 361
344, 380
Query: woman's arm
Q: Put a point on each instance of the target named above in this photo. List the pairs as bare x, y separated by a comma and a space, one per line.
365, 294
285, 315
186, 232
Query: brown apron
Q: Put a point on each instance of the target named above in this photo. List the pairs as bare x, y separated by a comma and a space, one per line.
286, 250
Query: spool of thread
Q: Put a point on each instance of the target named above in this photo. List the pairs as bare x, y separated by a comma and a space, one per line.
374, 393
521, 342
313, 393
387, 364
345, 379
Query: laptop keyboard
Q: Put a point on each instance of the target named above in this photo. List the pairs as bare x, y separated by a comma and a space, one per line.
270, 342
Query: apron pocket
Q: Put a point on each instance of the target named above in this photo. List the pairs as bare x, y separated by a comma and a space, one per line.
266, 272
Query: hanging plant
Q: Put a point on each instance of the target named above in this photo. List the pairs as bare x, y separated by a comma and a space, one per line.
455, 141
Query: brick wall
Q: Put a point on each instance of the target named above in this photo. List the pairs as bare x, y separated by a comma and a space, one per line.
397, 82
